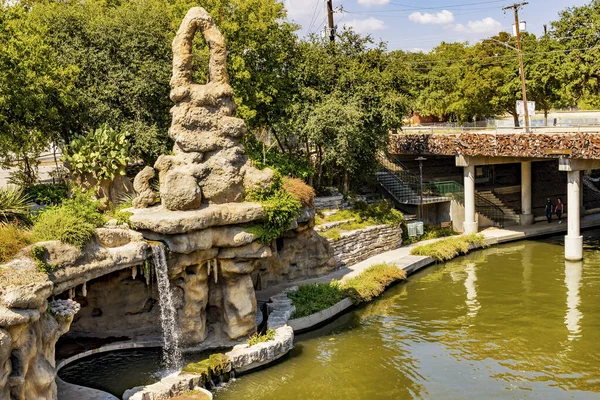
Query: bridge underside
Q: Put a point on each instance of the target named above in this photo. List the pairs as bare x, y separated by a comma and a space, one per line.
569, 154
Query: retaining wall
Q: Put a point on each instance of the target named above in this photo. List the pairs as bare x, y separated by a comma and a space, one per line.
358, 245
329, 202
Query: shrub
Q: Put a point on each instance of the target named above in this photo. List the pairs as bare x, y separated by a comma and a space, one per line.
281, 209
304, 193
372, 282
60, 224
13, 204
73, 222
263, 157
260, 337
50, 194
40, 255
12, 239
102, 153
312, 298
448, 249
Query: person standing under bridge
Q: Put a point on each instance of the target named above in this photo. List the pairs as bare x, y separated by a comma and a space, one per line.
559, 210
549, 209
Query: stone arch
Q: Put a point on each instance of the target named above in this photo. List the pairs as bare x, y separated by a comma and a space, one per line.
197, 19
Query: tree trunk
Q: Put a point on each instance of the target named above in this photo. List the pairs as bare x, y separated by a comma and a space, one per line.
516, 119
346, 183
320, 167
545, 116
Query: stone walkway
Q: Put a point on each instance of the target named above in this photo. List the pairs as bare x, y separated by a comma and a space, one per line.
402, 258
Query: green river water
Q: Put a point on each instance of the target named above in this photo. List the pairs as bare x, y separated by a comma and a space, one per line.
513, 321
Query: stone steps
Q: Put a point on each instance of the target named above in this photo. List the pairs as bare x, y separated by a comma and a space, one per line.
509, 214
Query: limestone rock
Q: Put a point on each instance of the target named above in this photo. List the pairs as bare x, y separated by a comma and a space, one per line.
32, 295
59, 253
160, 220
179, 190
256, 179
192, 316
239, 307
116, 237
141, 184
252, 250
224, 236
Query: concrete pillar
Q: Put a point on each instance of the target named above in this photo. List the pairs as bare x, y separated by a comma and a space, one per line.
470, 224
573, 240
581, 204
526, 215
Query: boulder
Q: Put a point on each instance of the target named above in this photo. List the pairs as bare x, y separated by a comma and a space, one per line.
141, 184
179, 190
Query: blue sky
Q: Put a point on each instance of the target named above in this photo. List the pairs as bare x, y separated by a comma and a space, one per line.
414, 25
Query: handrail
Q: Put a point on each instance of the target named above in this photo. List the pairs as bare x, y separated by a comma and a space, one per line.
408, 187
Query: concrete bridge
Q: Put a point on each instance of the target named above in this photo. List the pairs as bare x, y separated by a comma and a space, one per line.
574, 149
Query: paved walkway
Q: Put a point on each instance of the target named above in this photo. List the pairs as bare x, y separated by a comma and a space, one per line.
402, 258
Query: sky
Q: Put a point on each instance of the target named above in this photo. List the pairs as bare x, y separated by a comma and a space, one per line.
413, 25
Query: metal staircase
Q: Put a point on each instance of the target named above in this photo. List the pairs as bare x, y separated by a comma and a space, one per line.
404, 187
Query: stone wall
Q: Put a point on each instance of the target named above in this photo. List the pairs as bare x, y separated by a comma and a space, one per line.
361, 244
583, 145
329, 202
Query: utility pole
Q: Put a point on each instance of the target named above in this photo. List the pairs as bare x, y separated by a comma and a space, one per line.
516, 7
331, 29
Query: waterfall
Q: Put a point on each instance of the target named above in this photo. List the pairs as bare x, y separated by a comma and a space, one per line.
168, 316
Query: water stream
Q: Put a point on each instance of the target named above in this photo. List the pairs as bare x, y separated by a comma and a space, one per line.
172, 358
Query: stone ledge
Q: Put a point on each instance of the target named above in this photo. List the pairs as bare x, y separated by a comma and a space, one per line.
161, 220
305, 323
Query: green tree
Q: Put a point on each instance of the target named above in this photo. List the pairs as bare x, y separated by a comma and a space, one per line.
34, 88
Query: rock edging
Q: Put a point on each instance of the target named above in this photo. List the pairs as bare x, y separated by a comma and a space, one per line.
242, 358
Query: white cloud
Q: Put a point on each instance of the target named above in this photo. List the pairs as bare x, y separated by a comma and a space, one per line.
373, 2
416, 50
486, 25
443, 17
364, 25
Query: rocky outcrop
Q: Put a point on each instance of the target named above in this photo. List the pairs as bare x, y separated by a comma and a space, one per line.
208, 162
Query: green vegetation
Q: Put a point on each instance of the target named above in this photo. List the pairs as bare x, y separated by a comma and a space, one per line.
213, 365
102, 153
12, 239
312, 298
13, 205
48, 194
448, 249
361, 216
261, 337
281, 209
372, 282
429, 232
264, 156
39, 255
73, 222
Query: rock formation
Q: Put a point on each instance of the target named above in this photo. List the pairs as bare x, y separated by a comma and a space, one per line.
208, 164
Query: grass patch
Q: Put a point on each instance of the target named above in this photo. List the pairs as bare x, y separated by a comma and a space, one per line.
12, 239
372, 282
378, 213
429, 232
448, 249
310, 299
261, 337
11, 277
213, 365
334, 234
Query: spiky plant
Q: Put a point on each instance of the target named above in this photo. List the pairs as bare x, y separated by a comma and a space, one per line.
14, 204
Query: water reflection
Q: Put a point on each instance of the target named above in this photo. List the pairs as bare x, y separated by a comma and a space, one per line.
472, 303
507, 322
573, 273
